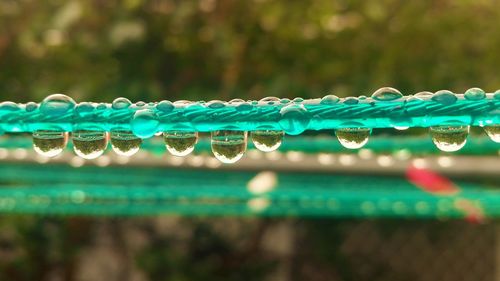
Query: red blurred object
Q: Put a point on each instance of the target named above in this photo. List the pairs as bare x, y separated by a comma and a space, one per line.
430, 181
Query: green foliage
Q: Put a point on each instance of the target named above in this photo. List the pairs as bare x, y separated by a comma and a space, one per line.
152, 50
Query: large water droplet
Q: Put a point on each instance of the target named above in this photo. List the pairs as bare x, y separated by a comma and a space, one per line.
353, 138
493, 132
229, 146
270, 100
449, 138
329, 99
49, 143
144, 123
444, 97
294, 119
57, 104
267, 140
89, 144
125, 143
423, 95
180, 143
475, 94
165, 106
121, 103
387, 94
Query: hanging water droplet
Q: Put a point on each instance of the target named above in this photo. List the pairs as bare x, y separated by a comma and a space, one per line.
121, 103
89, 144
475, 94
387, 94
267, 140
125, 143
493, 132
449, 138
353, 138
57, 104
229, 146
49, 143
180, 143
401, 128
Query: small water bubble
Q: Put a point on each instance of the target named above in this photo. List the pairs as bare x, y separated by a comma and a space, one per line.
298, 100
121, 103
444, 97
125, 143
474, 94
269, 100
31, 106
387, 94
180, 143
84, 107
165, 106
284, 101
49, 143
449, 138
267, 140
493, 132
496, 95
236, 101
144, 123
57, 104
329, 99
8, 106
214, 104
89, 144
229, 146
351, 100
423, 95
294, 119
353, 138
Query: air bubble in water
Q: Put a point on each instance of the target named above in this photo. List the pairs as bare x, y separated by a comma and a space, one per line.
180, 143
353, 138
49, 143
267, 140
125, 143
449, 138
89, 144
229, 146
493, 132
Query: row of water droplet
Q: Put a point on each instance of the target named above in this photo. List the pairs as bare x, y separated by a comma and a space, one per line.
228, 146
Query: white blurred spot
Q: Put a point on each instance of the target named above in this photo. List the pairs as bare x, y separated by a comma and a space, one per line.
326, 159
213, 163
103, 161
122, 160
4, 153
258, 204
445, 161
273, 155
365, 153
263, 182
20, 153
420, 163
403, 154
195, 160
347, 159
176, 160
295, 156
254, 154
76, 161
385, 160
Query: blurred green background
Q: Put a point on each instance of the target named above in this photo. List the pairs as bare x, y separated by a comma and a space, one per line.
208, 49
222, 49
